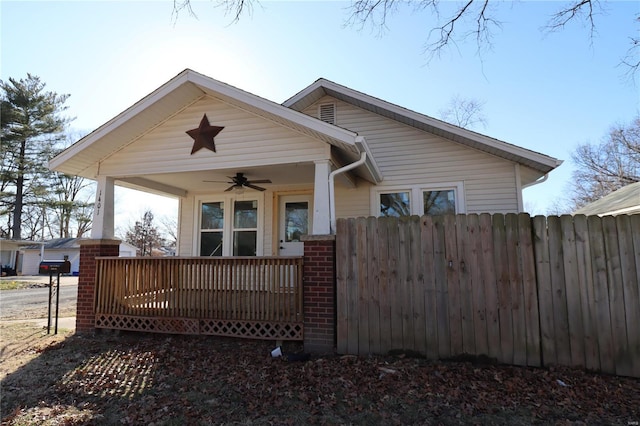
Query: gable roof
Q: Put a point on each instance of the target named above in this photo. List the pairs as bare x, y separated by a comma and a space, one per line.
323, 87
83, 157
55, 244
625, 200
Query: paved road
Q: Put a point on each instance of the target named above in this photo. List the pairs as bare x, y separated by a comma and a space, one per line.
31, 301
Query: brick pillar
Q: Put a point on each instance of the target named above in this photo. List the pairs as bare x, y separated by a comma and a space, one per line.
89, 250
319, 293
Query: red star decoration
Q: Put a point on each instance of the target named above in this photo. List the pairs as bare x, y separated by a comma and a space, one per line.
203, 135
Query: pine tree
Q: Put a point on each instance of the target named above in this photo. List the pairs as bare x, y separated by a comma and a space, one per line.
30, 126
144, 235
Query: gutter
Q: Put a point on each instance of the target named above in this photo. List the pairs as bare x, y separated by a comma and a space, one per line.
536, 182
332, 205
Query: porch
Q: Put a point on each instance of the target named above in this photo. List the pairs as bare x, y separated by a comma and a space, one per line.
250, 297
273, 298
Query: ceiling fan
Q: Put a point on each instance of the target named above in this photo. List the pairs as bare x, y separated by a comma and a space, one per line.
239, 181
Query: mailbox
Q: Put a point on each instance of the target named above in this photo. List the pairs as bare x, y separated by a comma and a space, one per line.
55, 267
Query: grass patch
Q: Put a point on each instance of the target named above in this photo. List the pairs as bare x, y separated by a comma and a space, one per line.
13, 284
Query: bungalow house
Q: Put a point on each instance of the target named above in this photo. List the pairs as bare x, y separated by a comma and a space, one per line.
253, 177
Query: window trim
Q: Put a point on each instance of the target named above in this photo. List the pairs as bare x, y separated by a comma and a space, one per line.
416, 198
228, 228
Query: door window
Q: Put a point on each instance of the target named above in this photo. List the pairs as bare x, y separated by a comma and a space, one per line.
296, 220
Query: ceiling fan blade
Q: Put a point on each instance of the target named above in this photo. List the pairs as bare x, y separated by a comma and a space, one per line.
230, 188
257, 188
260, 181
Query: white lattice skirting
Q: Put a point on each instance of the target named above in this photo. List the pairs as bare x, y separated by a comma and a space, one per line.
234, 328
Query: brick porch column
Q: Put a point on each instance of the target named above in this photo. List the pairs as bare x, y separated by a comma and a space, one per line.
89, 250
319, 293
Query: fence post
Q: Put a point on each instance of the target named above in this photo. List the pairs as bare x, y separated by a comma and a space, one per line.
319, 293
89, 250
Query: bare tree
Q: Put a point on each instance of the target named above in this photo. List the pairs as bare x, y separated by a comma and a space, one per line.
464, 112
609, 165
470, 19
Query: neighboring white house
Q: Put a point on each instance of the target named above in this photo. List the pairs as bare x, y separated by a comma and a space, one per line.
10, 256
252, 175
625, 200
57, 249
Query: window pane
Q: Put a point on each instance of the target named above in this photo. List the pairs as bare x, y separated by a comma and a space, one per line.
296, 220
246, 214
439, 202
244, 243
212, 216
211, 244
395, 204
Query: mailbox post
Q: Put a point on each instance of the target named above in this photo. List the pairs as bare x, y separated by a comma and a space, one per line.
56, 267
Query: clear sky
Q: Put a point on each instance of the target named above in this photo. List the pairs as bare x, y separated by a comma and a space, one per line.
543, 91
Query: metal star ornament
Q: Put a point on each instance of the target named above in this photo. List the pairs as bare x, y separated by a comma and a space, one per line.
203, 135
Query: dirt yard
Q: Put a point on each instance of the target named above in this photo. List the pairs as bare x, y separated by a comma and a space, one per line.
134, 379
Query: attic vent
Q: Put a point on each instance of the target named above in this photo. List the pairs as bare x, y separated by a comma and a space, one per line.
328, 113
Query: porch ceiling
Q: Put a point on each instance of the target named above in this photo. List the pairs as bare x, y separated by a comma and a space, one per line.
178, 184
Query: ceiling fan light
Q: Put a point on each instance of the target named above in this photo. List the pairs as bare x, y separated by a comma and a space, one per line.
239, 189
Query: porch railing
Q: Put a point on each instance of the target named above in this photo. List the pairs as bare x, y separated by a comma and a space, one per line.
257, 297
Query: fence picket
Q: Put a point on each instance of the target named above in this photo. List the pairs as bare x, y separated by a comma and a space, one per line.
476, 285
396, 286
616, 297
440, 277
501, 264
385, 284
634, 342
430, 293
418, 285
405, 283
490, 288
516, 290
572, 291
453, 284
373, 285
560, 314
363, 285
629, 291
530, 291
598, 256
545, 293
464, 242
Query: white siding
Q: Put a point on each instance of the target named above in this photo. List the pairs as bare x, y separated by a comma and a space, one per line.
185, 238
407, 156
353, 202
247, 140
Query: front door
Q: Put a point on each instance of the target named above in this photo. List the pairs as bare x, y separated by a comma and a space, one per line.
295, 221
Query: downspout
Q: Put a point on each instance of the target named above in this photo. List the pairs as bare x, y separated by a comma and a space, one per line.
332, 175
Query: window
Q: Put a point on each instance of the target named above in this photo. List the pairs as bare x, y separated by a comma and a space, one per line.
229, 227
417, 200
245, 228
212, 229
439, 202
395, 204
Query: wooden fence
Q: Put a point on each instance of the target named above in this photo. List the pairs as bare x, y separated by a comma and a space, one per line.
525, 291
257, 297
